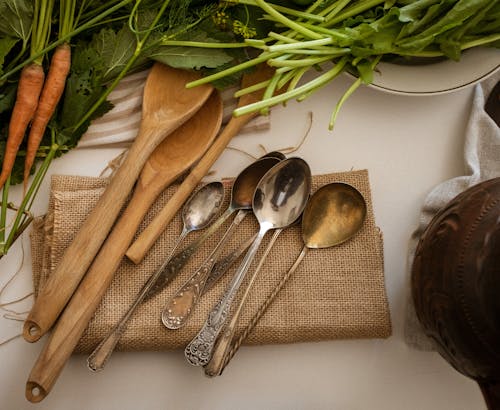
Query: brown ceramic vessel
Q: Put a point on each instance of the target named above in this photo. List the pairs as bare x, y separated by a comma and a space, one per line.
456, 285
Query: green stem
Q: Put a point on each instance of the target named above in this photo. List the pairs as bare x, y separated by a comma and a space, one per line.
202, 44
341, 102
278, 99
232, 70
37, 180
301, 44
3, 214
305, 62
336, 10
65, 38
251, 89
286, 10
280, 18
359, 8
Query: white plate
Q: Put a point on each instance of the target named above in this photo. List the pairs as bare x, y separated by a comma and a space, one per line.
438, 78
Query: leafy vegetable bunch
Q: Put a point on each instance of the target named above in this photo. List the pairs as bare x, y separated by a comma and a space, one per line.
104, 41
355, 35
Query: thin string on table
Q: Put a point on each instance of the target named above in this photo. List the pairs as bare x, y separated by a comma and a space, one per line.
286, 150
12, 314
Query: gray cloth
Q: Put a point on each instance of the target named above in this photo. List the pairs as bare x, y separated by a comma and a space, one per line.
482, 162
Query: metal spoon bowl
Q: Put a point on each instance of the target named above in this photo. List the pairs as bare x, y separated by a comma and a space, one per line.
334, 214
279, 199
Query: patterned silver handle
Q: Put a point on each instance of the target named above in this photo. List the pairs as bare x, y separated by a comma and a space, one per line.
222, 265
226, 353
179, 260
179, 307
199, 351
223, 345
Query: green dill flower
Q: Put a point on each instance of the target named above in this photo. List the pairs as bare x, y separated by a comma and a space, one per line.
243, 30
221, 19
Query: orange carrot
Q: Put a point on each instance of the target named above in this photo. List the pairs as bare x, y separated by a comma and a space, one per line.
51, 94
28, 91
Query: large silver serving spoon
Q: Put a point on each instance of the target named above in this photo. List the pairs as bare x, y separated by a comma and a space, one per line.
241, 199
181, 304
197, 213
278, 201
334, 214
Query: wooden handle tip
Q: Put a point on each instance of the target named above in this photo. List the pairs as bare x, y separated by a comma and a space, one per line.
34, 392
136, 252
31, 331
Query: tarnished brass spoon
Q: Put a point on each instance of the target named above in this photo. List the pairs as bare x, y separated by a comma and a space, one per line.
334, 214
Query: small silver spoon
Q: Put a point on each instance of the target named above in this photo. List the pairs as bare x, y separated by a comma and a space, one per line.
197, 213
181, 304
279, 199
178, 261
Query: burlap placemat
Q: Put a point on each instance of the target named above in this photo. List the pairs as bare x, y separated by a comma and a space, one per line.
336, 293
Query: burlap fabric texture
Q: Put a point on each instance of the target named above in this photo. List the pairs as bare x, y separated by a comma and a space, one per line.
336, 293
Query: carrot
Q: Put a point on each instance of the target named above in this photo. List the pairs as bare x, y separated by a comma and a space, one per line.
51, 94
28, 91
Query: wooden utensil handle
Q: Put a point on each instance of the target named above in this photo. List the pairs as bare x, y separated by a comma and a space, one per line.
80, 253
85, 300
147, 238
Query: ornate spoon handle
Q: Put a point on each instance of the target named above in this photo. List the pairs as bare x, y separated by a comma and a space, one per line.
177, 262
222, 265
215, 371
179, 307
223, 345
199, 351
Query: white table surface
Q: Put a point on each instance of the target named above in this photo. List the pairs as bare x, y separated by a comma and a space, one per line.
408, 144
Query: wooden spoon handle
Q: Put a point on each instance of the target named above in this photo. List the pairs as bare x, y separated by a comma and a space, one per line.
147, 238
86, 299
78, 256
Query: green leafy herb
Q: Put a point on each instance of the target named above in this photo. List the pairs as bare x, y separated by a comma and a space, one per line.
15, 18
192, 57
6, 44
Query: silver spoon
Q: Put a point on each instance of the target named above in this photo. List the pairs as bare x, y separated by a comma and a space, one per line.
334, 214
278, 201
178, 261
197, 213
181, 304
222, 265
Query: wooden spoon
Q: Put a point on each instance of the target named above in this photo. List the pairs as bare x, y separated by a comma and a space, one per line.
167, 104
148, 237
169, 160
